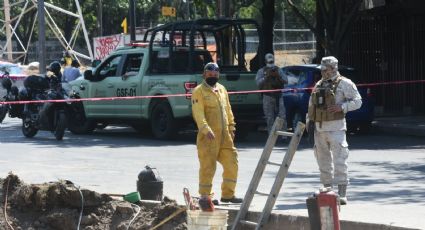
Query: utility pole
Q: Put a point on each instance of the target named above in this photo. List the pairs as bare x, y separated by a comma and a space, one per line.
99, 18
132, 16
8, 30
41, 37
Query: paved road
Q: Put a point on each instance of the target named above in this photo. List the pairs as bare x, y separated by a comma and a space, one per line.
387, 172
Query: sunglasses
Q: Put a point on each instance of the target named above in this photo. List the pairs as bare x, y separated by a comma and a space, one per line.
212, 68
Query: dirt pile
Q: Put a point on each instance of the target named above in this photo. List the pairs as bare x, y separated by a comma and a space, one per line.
58, 205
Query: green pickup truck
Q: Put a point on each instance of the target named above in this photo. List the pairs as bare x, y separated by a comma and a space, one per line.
170, 61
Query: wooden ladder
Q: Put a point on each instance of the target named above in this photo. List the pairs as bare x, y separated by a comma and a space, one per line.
280, 177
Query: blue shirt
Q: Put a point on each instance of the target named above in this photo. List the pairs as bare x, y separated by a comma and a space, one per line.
70, 74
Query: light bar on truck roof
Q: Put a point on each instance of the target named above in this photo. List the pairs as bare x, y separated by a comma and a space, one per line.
139, 44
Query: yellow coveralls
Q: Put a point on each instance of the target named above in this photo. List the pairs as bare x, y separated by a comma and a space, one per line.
212, 112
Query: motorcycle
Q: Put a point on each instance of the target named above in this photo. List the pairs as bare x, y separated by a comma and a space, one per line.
48, 116
12, 91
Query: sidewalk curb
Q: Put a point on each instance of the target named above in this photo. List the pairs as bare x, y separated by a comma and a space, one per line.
397, 129
293, 222
279, 221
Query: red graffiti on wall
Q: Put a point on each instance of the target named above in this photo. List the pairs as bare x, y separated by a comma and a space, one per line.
106, 45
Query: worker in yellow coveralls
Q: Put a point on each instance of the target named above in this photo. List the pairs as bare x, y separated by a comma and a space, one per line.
216, 130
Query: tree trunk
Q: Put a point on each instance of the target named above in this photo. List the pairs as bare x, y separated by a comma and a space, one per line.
320, 33
267, 25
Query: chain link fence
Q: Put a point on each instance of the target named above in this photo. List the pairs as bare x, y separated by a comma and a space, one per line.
292, 46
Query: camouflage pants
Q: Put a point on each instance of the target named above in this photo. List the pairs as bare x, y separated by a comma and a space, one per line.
331, 151
273, 107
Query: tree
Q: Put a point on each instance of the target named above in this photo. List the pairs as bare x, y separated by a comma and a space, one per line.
335, 19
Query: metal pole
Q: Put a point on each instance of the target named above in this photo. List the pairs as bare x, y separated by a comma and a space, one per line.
99, 18
188, 9
283, 30
86, 35
8, 30
132, 21
41, 37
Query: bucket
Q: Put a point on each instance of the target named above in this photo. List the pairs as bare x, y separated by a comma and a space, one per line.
132, 197
150, 184
199, 220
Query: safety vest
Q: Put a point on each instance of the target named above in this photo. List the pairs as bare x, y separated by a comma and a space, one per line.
323, 96
272, 79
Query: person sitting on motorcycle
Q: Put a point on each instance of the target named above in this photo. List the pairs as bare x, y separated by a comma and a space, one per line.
55, 79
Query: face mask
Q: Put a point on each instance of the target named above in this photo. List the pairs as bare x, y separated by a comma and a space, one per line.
328, 74
211, 81
270, 64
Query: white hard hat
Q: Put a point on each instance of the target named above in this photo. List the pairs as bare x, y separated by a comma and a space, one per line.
329, 61
211, 66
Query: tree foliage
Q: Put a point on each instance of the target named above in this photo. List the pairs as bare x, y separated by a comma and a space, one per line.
334, 21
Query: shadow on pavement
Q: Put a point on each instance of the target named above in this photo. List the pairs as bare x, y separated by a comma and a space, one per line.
122, 136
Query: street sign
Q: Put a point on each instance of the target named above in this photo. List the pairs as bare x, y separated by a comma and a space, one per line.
168, 11
124, 25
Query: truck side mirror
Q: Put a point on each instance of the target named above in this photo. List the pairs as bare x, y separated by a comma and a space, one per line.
95, 63
88, 75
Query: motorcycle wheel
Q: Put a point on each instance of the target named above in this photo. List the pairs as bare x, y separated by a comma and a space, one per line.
28, 130
60, 126
3, 112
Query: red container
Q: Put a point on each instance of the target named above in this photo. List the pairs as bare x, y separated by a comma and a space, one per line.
327, 202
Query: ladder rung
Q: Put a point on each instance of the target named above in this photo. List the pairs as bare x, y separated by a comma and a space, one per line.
261, 193
248, 223
273, 163
282, 133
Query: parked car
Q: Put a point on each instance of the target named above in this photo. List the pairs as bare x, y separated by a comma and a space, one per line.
302, 78
12, 71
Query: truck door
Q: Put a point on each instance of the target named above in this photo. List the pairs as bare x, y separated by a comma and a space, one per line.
128, 85
106, 77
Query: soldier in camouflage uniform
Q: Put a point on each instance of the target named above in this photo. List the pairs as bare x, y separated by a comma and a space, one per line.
332, 97
271, 77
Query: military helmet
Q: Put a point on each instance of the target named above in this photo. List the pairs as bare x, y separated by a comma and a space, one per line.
55, 67
329, 61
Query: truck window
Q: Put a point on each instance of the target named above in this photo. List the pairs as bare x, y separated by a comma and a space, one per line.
132, 64
159, 63
109, 68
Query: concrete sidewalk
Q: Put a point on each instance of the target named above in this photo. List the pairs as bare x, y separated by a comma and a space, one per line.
403, 125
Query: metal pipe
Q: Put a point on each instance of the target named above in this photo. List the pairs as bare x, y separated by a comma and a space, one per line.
41, 37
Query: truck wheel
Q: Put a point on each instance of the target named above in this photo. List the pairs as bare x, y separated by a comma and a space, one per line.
163, 123
78, 123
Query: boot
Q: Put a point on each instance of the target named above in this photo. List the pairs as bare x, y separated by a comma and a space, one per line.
342, 192
206, 204
233, 200
327, 186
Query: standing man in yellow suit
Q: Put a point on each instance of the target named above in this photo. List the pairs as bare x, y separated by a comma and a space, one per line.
216, 131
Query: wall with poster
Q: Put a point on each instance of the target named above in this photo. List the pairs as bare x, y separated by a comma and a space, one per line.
103, 46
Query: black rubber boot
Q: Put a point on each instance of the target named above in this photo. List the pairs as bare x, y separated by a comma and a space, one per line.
233, 200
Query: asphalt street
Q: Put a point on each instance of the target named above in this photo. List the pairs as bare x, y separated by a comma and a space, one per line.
387, 172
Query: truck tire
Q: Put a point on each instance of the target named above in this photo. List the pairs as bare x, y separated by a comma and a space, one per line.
78, 122
163, 124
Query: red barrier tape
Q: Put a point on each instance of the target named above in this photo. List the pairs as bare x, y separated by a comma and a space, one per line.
185, 95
